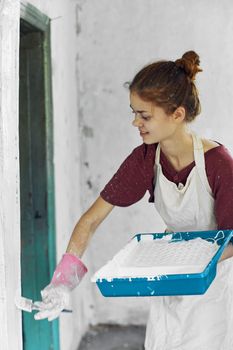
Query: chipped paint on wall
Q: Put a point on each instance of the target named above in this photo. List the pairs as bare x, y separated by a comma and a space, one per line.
88, 131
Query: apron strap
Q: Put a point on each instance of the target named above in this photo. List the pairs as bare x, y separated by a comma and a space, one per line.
157, 163
157, 155
199, 158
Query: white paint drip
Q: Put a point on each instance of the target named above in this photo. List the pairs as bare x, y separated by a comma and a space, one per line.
157, 258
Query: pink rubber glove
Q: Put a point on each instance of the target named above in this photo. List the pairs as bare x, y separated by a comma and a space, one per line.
69, 271
55, 297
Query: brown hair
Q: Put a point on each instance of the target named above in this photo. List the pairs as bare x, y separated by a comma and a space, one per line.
170, 84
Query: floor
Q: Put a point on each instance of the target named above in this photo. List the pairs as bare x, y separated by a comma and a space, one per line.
113, 337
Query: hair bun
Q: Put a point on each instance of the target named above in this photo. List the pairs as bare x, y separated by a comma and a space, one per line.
190, 64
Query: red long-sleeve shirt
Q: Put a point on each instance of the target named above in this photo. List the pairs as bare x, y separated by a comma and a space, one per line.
136, 176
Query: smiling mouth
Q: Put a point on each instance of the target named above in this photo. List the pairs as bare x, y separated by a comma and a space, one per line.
144, 132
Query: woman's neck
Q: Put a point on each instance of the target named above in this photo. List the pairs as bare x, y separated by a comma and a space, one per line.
179, 149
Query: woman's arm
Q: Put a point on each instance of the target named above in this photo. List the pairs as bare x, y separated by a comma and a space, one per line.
219, 166
70, 270
87, 225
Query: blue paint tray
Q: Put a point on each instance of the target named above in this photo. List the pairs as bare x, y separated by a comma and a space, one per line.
134, 270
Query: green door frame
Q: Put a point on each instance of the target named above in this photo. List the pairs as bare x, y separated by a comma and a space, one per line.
35, 21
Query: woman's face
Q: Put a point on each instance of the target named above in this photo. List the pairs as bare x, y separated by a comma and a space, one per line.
153, 124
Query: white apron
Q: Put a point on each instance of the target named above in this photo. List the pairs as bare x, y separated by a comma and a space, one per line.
200, 322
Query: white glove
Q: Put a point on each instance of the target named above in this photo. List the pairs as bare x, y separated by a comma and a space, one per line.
54, 300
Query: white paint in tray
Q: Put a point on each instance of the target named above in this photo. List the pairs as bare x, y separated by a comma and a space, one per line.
155, 257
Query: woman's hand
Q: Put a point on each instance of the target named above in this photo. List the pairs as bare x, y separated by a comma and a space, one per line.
54, 300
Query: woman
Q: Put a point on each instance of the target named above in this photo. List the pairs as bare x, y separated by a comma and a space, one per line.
190, 181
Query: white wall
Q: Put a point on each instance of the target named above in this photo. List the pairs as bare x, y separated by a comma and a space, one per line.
10, 317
